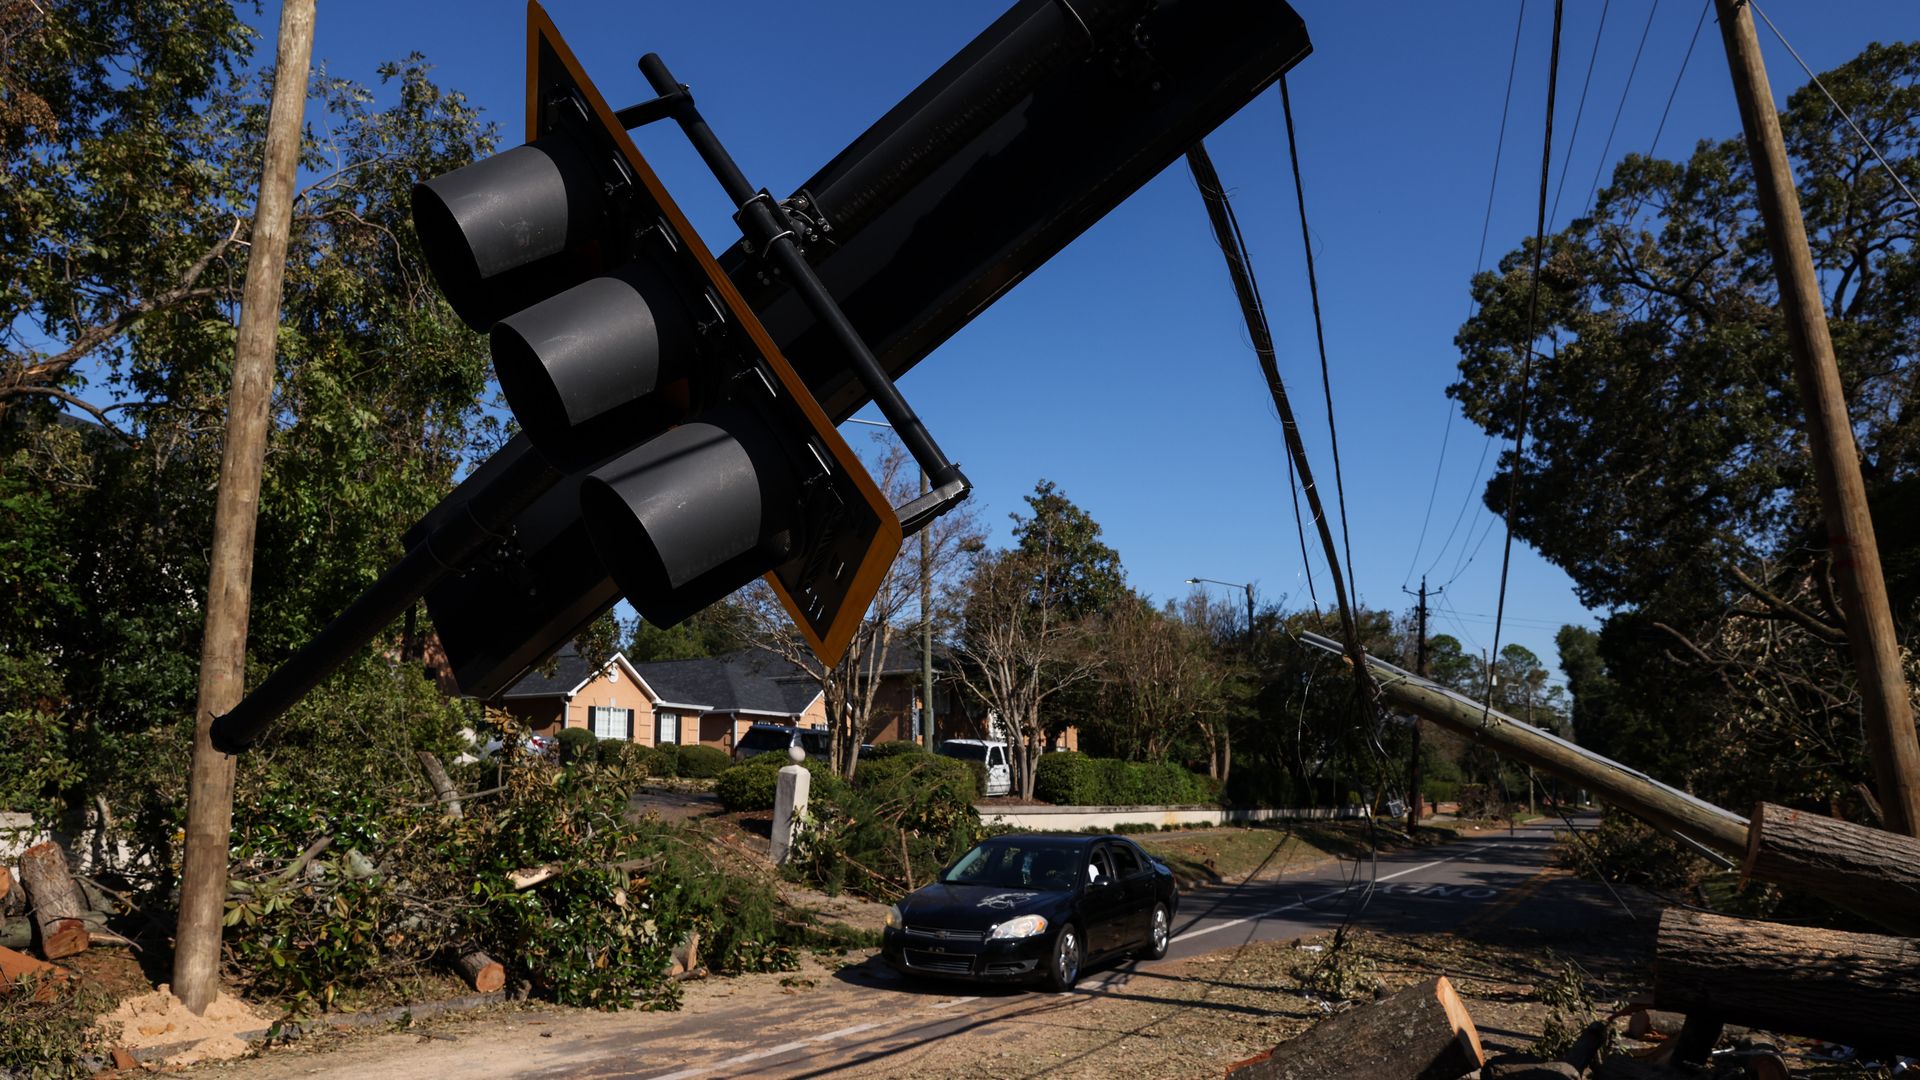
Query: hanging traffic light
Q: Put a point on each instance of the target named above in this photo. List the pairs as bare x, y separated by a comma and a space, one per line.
699, 459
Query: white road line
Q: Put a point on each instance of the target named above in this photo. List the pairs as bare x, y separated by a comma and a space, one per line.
772, 1051
1335, 892
954, 1001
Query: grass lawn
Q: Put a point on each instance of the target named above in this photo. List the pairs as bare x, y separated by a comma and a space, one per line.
1270, 849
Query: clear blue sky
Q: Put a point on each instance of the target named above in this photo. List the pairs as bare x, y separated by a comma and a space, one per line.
1121, 370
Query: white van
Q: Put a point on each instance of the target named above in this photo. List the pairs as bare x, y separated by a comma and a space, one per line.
991, 753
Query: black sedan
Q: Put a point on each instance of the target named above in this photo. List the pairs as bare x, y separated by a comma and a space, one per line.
1026, 907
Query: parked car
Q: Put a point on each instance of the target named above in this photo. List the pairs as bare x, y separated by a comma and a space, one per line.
991, 753
776, 738
1027, 907
538, 745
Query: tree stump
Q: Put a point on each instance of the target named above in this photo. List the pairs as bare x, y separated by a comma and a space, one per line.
1870, 871
1421, 1033
1856, 989
483, 972
59, 910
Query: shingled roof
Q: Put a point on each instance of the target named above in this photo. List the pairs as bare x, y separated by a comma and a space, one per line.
750, 680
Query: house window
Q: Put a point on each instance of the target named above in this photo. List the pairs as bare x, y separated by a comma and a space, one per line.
666, 728
609, 723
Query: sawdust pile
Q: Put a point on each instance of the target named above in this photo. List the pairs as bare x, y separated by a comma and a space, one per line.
159, 1020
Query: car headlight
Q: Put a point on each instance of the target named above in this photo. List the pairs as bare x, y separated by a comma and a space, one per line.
1024, 926
894, 918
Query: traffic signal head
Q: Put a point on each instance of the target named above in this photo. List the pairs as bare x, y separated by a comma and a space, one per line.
526, 223
697, 458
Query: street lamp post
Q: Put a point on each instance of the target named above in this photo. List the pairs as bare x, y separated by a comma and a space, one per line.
1247, 587
926, 611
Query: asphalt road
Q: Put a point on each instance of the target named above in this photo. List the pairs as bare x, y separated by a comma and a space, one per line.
873, 1013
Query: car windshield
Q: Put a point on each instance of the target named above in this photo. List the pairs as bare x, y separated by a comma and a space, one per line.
1010, 864
964, 751
766, 739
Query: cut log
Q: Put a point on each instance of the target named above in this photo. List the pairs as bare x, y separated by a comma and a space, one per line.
19, 933
1869, 871
483, 972
442, 784
58, 907
1856, 989
1421, 1033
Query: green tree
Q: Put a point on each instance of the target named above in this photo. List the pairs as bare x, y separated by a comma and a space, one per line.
131, 134
1665, 469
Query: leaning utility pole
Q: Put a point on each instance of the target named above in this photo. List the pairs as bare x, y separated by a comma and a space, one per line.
223, 647
1843, 499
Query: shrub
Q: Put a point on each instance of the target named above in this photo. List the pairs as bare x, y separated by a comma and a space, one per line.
701, 762
1439, 791
894, 748
1073, 779
1067, 779
950, 777
747, 786
575, 743
752, 784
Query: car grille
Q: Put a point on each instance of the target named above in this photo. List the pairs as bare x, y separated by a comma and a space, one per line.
952, 965
942, 934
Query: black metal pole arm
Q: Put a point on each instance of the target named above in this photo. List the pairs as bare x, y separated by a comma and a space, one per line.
444, 551
767, 230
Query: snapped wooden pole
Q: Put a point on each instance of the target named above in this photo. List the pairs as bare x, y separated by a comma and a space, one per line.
1888, 712
223, 648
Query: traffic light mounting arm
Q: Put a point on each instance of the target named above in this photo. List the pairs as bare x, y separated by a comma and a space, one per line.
770, 232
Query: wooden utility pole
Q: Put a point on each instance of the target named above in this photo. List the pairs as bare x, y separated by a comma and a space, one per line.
1843, 498
223, 648
1420, 669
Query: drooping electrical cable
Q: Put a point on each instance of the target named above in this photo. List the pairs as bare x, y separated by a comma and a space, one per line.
1479, 260
1227, 235
1578, 112
1601, 165
1526, 344
1319, 332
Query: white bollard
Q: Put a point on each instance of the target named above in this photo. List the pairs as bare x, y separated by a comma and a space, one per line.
789, 802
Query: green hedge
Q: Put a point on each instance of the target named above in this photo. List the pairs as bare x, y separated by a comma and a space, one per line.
946, 776
1074, 779
751, 784
894, 748
700, 762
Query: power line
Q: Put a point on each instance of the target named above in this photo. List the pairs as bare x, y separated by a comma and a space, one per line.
1580, 111
1526, 344
1319, 334
1861, 135
1601, 165
1479, 261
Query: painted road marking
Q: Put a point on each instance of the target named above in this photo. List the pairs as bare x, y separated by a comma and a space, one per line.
1337, 892
773, 1051
1512, 900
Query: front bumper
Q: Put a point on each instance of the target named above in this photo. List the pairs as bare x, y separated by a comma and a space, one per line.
918, 952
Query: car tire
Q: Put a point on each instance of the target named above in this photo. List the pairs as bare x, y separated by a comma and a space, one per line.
1063, 970
1159, 934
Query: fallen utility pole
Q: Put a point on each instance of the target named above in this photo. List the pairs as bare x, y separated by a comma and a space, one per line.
1888, 714
1664, 807
223, 648
1867, 871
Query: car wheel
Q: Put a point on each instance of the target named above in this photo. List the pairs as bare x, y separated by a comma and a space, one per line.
1161, 933
1067, 954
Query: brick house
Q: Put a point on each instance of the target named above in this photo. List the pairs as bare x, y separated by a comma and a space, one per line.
713, 700
709, 701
